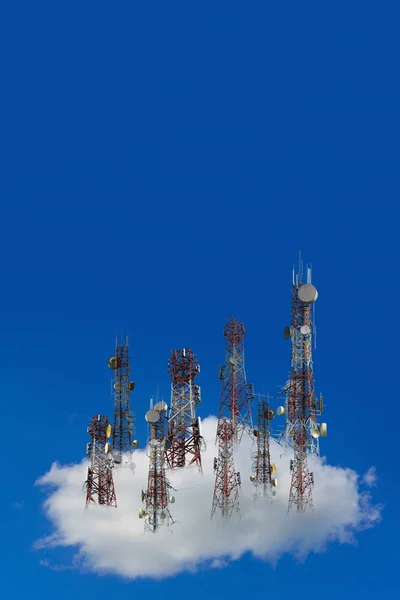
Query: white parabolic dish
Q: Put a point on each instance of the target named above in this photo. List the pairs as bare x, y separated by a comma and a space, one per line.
305, 330
308, 293
152, 416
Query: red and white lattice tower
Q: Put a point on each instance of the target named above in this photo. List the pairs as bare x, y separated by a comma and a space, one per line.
234, 418
302, 407
264, 472
184, 441
99, 480
124, 421
157, 496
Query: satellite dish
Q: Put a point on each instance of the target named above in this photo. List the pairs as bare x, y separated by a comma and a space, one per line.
146, 516
255, 432
280, 411
225, 454
275, 482
109, 430
141, 513
143, 496
307, 293
117, 387
286, 333
305, 330
135, 443
163, 516
161, 406
131, 386
152, 416
172, 499
269, 414
107, 448
154, 443
273, 468
323, 428
232, 361
274, 492
252, 477
315, 433
113, 362
117, 459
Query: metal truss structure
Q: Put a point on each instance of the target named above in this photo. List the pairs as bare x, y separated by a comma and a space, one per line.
157, 496
99, 480
302, 408
124, 419
234, 418
264, 473
184, 441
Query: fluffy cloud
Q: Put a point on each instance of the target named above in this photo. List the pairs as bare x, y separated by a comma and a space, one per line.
112, 540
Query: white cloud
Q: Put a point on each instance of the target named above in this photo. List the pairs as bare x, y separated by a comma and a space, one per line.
370, 478
112, 540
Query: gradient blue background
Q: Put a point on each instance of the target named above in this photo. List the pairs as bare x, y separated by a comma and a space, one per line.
161, 165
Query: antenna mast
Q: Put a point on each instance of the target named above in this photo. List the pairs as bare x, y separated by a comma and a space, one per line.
233, 419
156, 498
183, 441
302, 407
99, 480
264, 477
124, 420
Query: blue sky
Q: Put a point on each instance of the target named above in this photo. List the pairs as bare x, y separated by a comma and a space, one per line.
162, 165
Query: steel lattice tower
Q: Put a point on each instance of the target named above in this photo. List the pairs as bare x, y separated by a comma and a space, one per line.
123, 417
302, 407
183, 441
264, 477
233, 419
157, 498
99, 480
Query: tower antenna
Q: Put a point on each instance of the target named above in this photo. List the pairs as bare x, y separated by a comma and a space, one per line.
124, 418
302, 408
156, 498
234, 418
99, 480
184, 441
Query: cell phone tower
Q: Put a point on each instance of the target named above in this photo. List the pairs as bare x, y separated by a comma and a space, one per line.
184, 442
302, 407
124, 419
99, 480
233, 419
157, 497
264, 472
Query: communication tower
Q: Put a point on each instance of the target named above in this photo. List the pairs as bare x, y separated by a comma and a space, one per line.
302, 407
157, 496
233, 419
99, 480
184, 441
264, 473
124, 420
